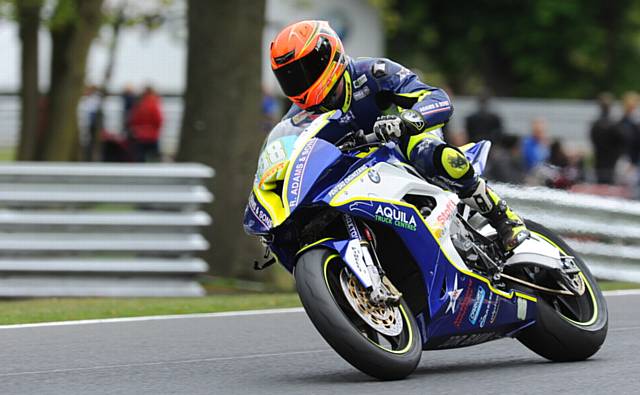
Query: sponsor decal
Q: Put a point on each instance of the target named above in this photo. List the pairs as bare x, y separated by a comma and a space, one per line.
442, 220
477, 305
361, 93
259, 213
301, 117
494, 313
434, 107
490, 304
464, 307
454, 294
298, 172
360, 81
394, 216
374, 176
522, 309
351, 227
334, 191
367, 210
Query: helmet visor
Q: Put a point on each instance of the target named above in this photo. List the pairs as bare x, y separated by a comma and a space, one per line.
296, 77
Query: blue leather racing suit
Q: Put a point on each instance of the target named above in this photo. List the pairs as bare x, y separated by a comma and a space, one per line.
378, 86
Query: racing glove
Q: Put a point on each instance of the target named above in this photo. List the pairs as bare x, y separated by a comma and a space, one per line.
408, 122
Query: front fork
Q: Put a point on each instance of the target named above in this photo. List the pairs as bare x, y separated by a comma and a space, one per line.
363, 261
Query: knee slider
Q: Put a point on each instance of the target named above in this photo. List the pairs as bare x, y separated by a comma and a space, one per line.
452, 163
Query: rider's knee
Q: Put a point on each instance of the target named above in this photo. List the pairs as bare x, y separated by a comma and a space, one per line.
445, 164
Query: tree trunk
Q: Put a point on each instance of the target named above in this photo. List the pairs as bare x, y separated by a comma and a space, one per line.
221, 124
29, 20
71, 40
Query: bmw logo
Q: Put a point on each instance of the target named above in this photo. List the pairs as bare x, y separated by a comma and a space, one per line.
374, 176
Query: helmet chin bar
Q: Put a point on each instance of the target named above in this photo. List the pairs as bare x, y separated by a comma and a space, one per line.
334, 99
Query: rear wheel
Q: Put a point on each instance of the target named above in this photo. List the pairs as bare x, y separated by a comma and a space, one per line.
568, 328
381, 341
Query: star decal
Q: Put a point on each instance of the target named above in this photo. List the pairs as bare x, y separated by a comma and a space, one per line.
453, 296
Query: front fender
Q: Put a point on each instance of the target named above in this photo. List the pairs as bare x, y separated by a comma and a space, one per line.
353, 254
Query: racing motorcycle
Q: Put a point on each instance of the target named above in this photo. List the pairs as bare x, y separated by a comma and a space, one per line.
387, 264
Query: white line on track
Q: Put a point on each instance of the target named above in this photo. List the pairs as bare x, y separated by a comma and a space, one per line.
626, 292
158, 317
176, 362
622, 292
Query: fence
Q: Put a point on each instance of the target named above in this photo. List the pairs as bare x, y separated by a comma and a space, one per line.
567, 119
604, 230
102, 230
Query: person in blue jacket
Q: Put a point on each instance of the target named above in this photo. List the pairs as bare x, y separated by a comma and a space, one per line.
377, 94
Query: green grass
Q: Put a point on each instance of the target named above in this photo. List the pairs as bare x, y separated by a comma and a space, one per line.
7, 154
614, 285
43, 310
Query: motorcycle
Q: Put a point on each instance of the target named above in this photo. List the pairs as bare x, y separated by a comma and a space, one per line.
388, 264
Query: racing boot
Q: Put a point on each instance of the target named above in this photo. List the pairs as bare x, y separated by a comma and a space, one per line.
510, 227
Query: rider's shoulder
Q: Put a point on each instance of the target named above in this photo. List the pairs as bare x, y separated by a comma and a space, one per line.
378, 68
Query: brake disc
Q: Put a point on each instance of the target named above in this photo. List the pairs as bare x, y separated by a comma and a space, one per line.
381, 317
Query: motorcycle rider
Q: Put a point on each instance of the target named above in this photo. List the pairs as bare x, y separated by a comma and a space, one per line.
376, 94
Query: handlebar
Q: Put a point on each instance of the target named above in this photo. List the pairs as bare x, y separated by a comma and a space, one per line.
358, 140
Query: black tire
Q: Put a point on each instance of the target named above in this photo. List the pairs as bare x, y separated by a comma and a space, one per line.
343, 329
554, 336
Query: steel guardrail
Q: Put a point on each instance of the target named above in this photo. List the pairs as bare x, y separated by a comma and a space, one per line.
91, 229
604, 230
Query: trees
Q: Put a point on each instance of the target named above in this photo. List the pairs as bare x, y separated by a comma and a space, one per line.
221, 121
73, 27
542, 48
28, 14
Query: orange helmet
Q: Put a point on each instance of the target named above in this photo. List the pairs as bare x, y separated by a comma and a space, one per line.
308, 60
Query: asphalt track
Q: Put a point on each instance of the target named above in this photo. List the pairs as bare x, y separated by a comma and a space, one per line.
281, 353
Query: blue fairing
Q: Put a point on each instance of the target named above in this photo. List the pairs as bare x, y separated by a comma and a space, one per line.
462, 307
314, 158
478, 155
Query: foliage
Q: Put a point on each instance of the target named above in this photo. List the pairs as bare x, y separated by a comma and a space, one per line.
540, 48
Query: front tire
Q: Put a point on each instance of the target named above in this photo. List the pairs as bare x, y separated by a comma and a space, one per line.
567, 330
318, 274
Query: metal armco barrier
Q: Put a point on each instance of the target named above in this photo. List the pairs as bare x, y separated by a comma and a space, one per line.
604, 230
89, 229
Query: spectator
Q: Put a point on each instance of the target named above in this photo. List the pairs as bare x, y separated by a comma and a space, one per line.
483, 124
90, 122
557, 156
129, 98
506, 161
145, 123
628, 127
607, 140
565, 169
535, 148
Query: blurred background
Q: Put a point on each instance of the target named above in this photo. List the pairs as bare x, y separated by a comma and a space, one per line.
551, 84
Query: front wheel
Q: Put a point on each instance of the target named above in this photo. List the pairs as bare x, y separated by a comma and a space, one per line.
381, 341
568, 328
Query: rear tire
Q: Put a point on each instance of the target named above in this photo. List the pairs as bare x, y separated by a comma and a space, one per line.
554, 335
325, 302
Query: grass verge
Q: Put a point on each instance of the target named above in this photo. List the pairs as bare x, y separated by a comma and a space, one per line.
616, 285
51, 309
